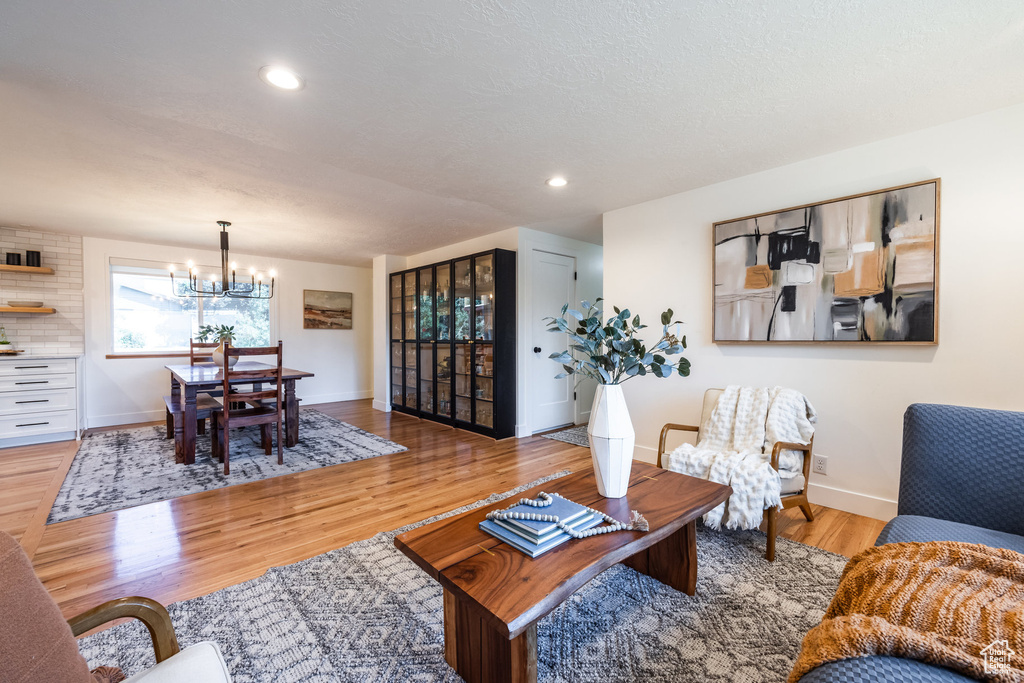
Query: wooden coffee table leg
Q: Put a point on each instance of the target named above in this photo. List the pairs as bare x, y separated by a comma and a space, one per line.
673, 561
479, 653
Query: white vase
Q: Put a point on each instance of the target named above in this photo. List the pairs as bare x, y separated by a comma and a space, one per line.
218, 357
611, 441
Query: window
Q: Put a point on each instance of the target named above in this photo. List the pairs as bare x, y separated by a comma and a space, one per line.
147, 317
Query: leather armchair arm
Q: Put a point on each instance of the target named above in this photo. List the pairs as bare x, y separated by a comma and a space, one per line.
664, 434
149, 612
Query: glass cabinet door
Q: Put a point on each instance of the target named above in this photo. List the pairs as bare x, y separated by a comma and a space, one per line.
396, 373
426, 305
463, 383
396, 307
483, 298
410, 375
463, 300
410, 306
427, 377
483, 380
443, 303
444, 380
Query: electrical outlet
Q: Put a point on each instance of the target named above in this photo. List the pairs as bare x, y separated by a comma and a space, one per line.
821, 464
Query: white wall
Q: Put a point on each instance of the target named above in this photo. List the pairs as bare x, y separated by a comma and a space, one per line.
506, 239
127, 390
522, 241
658, 254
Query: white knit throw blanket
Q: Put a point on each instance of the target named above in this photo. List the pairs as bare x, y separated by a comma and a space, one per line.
732, 451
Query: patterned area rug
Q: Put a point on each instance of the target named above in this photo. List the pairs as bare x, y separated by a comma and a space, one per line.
129, 467
575, 435
367, 613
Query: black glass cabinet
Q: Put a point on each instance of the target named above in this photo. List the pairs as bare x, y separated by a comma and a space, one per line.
453, 339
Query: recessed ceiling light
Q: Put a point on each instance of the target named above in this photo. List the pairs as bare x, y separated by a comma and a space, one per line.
283, 78
558, 181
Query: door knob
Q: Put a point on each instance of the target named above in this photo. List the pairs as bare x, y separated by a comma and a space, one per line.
536, 349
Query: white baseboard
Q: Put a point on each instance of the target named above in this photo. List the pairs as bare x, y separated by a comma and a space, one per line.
340, 396
849, 501
118, 419
383, 406
523, 431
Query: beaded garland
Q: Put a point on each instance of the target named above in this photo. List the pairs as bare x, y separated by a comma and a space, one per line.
636, 520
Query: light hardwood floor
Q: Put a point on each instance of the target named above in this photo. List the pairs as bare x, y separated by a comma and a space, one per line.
197, 544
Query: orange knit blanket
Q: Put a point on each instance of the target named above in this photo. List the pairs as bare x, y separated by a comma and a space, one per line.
942, 603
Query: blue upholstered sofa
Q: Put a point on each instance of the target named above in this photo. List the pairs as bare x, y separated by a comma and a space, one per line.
962, 479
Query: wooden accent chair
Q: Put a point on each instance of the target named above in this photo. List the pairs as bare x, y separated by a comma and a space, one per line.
205, 405
37, 644
794, 491
256, 403
202, 356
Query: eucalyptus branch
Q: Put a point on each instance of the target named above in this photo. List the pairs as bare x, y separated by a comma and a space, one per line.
612, 352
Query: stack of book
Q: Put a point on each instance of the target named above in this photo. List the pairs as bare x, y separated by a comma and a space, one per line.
535, 538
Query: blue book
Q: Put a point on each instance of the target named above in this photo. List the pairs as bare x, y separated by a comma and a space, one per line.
534, 549
530, 538
563, 508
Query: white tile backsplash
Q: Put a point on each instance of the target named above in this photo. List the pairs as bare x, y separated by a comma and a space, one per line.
40, 333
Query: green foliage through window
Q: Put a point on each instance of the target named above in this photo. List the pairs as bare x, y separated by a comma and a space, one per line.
147, 316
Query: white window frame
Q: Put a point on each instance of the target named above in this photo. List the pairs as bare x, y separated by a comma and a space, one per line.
180, 271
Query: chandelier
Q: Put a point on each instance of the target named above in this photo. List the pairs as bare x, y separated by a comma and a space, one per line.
253, 289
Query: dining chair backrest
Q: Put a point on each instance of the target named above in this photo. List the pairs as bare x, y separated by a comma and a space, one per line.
257, 377
200, 356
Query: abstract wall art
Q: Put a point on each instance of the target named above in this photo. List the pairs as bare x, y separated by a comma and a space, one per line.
326, 310
855, 269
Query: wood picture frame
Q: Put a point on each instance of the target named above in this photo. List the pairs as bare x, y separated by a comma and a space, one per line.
323, 310
860, 269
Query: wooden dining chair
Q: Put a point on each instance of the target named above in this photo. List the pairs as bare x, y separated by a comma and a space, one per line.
204, 403
256, 407
201, 356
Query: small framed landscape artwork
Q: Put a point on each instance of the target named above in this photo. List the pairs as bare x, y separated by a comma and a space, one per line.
326, 310
855, 269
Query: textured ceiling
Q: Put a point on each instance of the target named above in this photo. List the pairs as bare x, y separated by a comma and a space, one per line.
425, 122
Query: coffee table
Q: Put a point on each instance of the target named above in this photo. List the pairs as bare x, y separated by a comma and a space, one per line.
494, 595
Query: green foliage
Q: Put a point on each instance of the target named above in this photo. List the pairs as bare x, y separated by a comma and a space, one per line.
131, 340
612, 352
216, 333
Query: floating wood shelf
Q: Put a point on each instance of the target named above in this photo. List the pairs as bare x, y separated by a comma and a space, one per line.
26, 309
42, 270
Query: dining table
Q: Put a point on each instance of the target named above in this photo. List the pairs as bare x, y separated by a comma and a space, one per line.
187, 381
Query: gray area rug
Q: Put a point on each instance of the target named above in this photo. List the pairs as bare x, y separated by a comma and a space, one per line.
367, 613
575, 435
129, 467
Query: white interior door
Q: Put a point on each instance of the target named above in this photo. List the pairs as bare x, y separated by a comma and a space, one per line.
553, 285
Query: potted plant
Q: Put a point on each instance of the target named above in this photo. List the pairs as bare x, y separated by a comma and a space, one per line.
5, 343
611, 353
221, 333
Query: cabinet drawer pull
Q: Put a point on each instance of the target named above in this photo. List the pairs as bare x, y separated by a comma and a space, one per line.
38, 400
38, 381
30, 367
32, 424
